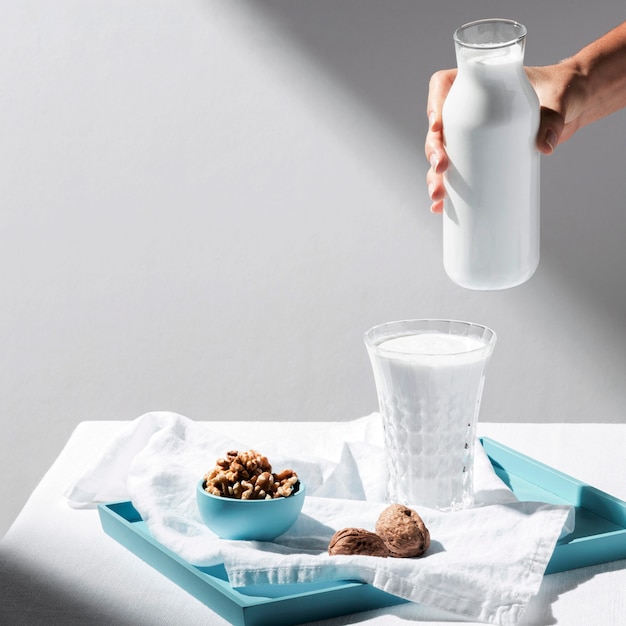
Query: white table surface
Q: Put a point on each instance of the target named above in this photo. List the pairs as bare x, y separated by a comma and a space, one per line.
57, 566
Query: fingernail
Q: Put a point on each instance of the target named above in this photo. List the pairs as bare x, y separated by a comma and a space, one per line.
431, 190
434, 161
551, 139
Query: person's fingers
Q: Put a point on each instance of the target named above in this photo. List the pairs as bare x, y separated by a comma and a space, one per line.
434, 149
437, 207
550, 129
438, 88
436, 190
556, 95
435, 152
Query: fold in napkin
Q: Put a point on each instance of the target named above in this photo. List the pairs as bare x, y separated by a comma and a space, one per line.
484, 563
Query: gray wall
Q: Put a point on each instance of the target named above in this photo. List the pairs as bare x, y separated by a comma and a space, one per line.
205, 204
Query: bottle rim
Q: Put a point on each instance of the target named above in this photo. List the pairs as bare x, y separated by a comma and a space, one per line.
513, 28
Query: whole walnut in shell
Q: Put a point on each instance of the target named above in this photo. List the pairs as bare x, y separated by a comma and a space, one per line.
357, 541
403, 531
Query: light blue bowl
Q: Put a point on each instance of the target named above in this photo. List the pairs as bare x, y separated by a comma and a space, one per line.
252, 520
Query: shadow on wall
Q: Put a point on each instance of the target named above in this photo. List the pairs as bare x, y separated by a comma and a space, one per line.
374, 50
383, 54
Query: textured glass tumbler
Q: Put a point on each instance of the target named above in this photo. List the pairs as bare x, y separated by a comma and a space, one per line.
429, 378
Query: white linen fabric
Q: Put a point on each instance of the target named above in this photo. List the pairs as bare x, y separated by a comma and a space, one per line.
484, 563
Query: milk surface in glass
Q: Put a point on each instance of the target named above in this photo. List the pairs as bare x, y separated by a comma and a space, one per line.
429, 388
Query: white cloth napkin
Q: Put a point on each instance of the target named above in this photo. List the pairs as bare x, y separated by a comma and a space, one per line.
484, 563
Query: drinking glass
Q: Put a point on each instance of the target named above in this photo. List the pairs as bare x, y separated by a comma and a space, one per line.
429, 377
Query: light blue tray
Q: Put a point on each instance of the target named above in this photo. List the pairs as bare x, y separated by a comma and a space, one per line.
271, 605
599, 536
600, 532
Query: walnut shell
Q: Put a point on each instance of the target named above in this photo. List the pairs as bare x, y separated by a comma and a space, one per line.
403, 531
357, 541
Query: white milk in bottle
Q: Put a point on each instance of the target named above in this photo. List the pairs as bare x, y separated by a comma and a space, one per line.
490, 123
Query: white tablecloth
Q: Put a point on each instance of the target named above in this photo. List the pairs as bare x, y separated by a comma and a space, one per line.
58, 567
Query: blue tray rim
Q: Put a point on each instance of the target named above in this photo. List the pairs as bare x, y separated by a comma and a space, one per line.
570, 553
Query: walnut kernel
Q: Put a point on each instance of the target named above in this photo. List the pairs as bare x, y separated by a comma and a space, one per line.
248, 476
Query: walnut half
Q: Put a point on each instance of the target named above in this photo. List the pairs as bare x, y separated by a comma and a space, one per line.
357, 541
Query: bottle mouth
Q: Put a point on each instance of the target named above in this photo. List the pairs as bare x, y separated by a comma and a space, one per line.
490, 34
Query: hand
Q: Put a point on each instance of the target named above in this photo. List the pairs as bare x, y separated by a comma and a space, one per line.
438, 89
561, 96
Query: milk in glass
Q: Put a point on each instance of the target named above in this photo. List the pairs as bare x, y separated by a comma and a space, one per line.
429, 377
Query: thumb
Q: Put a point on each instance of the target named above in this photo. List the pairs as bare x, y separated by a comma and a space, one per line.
551, 126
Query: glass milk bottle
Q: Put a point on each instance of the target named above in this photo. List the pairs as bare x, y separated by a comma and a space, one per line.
490, 123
